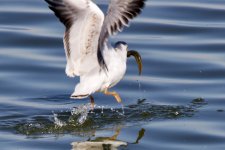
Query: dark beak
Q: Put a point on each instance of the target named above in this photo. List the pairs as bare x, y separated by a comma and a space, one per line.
137, 57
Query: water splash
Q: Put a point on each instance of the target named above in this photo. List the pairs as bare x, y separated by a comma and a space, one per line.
83, 120
139, 84
141, 91
79, 114
118, 111
102, 109
122, 106
82, 112
57, 121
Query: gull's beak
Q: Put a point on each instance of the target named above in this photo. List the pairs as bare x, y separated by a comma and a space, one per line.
137, 57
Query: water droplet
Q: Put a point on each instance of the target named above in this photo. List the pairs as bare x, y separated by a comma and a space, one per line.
123, 109
176, 113
112, 109
57, 121
139, 84
102, 109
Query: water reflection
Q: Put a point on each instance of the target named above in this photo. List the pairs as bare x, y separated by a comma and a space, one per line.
106, 143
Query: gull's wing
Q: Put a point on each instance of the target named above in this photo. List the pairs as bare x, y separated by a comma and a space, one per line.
120, 12
83, 21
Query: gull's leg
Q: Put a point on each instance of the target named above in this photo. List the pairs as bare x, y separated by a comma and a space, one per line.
116, 95
92, 101
114, 137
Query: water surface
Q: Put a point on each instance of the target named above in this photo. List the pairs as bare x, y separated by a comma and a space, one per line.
178, 102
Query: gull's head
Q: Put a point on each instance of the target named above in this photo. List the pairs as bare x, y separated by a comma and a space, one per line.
122, 47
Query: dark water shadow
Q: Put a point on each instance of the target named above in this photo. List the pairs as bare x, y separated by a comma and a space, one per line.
70, 122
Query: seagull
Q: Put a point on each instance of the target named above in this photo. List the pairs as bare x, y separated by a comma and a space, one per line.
90, 56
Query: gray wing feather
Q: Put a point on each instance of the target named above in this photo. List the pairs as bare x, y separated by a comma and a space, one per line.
62, 11
83, 21
67, 15
120, 12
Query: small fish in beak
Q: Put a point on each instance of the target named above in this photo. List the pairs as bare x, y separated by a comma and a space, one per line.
137, 57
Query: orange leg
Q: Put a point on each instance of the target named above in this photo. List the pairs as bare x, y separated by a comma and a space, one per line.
114, 137
116, 95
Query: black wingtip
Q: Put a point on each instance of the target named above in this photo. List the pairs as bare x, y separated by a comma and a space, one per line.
60, 9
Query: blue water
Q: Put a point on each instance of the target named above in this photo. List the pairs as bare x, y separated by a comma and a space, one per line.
178, 102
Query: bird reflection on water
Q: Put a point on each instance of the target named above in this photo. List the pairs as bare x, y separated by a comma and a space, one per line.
106, 143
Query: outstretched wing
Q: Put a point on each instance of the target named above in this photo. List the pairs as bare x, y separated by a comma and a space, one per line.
83, 21
120, 12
